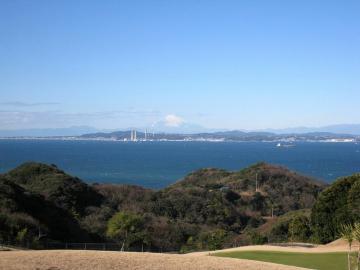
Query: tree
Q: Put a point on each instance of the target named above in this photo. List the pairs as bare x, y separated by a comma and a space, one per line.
257, 239
356, 235
213, 240
125, 227
336, 205
299, 229
258, 202
348, 235
21, 235
354, 200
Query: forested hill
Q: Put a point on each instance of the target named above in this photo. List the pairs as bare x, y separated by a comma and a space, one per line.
261, 187
209, 208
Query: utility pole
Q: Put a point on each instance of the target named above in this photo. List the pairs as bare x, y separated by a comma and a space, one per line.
256, 183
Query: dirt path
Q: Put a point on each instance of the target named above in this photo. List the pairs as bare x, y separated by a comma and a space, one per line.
108, 260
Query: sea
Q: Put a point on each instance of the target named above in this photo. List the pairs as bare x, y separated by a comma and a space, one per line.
158, 164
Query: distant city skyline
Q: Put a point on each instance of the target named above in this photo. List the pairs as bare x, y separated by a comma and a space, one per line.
231, 65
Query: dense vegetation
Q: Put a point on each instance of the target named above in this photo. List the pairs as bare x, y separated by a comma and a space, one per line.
208, 209
337, 205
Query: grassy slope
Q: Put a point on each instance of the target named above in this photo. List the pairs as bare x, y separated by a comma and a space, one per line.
321, 261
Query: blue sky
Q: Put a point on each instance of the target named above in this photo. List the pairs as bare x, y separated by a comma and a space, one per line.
220, 64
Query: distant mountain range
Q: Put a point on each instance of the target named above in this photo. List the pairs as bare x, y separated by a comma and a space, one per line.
187, 129
352, 129
48, 132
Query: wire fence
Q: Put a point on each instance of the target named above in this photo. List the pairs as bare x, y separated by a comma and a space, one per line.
83, 246
109, 246
79, 246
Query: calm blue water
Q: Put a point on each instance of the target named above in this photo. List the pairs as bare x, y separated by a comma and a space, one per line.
158, 164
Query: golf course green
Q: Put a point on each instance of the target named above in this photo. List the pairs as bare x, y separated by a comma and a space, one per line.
321, 261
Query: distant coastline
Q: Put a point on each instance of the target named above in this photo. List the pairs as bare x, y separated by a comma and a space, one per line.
227, 136
172, 140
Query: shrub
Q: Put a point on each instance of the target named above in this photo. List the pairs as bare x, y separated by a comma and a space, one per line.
125, 227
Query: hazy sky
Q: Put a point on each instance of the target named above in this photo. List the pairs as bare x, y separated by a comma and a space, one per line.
222, 64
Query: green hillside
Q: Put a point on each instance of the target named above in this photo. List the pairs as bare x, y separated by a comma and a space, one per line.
208, 209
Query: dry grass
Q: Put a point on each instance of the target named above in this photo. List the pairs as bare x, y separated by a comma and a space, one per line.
339, 245
342, 244
107, 260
